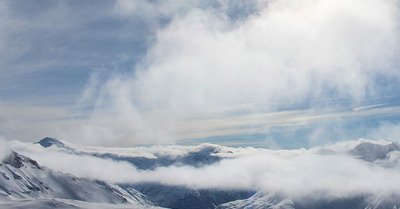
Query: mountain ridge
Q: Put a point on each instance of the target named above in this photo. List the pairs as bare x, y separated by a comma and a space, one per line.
147, 193
23, 178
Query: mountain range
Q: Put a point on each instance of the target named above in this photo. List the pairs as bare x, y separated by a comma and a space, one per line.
26, 183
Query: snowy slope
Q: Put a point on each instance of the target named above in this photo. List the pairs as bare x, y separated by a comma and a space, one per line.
260, 201
23, 178
65, 204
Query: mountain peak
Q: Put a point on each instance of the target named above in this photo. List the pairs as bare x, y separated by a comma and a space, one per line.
18, 161
48, 142
371, 152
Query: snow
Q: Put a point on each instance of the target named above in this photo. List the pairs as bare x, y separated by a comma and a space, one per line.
65, 204
260, 201
24, 179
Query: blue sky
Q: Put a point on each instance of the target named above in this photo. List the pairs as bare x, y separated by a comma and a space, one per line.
265, 73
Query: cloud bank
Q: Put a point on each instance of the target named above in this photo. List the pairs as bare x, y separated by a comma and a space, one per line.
329, 171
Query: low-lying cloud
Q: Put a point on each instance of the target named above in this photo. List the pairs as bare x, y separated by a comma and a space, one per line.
328, 171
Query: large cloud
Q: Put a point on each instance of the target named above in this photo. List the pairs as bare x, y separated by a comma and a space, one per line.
284, 54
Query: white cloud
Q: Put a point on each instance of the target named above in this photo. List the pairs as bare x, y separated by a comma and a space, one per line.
366, 107
199, 60
4, 148
305, 174
285, 54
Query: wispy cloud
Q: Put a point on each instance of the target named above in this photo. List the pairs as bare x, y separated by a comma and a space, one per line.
366, 107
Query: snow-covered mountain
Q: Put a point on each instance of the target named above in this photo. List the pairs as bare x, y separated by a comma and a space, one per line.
370, 152
22, 178
260, 201
361, 174
64, 204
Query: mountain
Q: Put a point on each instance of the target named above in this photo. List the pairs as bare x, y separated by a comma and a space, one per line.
189, 198
260, 201
273, 200
370, 152
24, 183
48, 142
22, 178
64, 204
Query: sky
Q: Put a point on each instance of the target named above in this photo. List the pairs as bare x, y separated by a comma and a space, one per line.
262, 73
